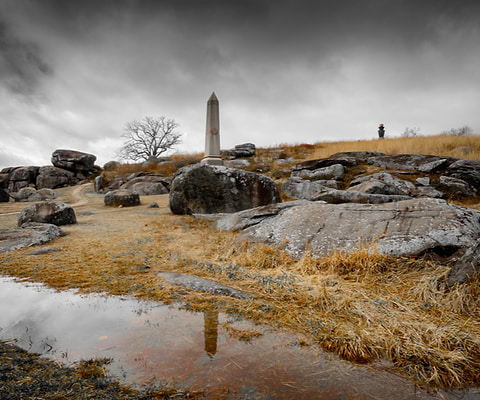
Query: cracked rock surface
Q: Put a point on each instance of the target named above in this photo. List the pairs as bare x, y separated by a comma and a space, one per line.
404, 228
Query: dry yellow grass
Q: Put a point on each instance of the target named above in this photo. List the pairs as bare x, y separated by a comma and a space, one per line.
433, 145
362, 306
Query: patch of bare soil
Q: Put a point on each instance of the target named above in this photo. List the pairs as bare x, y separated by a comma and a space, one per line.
362, 306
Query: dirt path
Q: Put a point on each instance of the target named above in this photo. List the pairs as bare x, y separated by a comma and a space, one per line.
73, 195
79, 195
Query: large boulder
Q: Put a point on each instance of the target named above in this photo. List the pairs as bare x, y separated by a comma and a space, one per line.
111, 165
27, 235
22, 177
49, 212
4, 196
208, 189
73, 160
467, 266
123, 198
53, 177
404, 228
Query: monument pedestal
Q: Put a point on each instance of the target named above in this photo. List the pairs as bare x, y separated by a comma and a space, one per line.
212, 161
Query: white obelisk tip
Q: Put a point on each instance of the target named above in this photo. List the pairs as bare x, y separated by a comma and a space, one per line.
213, 97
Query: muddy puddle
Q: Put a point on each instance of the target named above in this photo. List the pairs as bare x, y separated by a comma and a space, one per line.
151, 342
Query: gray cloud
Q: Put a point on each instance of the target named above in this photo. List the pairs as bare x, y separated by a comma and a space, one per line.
285, 71
21, 64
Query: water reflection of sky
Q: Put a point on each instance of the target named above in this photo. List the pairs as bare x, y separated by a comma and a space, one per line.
150, 342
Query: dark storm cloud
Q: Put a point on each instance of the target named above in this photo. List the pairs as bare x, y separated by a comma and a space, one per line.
21, 63
284, 70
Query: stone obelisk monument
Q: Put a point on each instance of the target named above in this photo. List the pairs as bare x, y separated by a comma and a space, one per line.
212, 134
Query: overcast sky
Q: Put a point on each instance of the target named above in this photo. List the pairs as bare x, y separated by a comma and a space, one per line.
73, 73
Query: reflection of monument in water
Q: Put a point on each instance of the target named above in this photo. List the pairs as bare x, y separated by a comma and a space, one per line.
210, 330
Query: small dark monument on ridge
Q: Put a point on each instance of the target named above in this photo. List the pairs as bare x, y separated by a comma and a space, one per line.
381, 131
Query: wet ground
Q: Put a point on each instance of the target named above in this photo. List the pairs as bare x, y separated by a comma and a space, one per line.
150, 342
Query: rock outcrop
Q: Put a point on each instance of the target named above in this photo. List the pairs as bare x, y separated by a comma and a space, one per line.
413, 175
53, 178
49, 212
22, 177
122, 198
210, 189
72, 160
27, 235
241, 150
405, 228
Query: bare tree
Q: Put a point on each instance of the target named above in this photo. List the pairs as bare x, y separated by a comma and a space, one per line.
411, 132
149, 137
464, 130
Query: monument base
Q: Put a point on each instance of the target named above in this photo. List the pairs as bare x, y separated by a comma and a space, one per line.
212, 161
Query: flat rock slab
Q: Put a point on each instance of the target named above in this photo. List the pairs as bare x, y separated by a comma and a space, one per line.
45, 250
201, 284
403, 228
27, 235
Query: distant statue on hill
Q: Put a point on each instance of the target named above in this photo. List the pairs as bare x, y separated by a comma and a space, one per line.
381, 131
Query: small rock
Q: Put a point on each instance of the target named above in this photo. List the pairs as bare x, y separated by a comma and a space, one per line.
428, 191
153, 205
201, 284
45, 250
424, 181
50, 212
124, 198
462, 150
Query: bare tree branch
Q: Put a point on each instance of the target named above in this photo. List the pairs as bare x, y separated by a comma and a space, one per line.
149, 137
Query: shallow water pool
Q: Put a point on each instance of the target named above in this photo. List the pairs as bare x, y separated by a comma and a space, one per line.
149, 341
